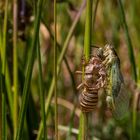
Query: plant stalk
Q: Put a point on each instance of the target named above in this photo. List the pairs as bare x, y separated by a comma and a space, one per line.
41, 88
87, 43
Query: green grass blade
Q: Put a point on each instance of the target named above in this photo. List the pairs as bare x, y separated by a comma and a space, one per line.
129, 42
87, 38
87, 43
71, 123
134, 114
0, 78
29, 72
15, 67
83, 128
42, 97
3, 54
55, 70
9, 90
8, 85
94, 18
131, 57
4, 123
7, 76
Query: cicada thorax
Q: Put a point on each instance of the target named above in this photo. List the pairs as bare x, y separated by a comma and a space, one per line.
109, 59
94, 79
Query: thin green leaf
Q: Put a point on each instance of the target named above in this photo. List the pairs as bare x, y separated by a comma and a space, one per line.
128, 39
41, 88
15, 67
3, 54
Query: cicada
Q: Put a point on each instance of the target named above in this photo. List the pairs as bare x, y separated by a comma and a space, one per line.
117, 97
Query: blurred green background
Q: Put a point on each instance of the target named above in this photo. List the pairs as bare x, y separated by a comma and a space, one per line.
107, 27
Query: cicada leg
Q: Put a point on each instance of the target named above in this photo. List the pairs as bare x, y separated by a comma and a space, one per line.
80, 72
80, 86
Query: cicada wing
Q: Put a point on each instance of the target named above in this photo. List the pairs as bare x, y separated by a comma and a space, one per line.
116, 79
121, 103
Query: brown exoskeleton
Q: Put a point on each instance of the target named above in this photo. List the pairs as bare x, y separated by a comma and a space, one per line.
94, 79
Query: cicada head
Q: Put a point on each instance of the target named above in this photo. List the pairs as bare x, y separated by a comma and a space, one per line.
100, 53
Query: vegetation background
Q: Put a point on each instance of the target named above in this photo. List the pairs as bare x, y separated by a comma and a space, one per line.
27, 37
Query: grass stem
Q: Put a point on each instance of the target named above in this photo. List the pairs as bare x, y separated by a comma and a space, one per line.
83, 134
41, 88
87, 43
87, 38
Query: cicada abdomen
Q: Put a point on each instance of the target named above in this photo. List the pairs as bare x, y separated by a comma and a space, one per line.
117, 96
94, 79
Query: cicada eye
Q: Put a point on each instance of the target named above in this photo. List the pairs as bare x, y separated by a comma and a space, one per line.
108, 47
100, 53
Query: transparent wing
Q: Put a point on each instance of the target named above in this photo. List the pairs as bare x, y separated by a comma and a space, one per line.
121, 103
120, 95
116, 78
